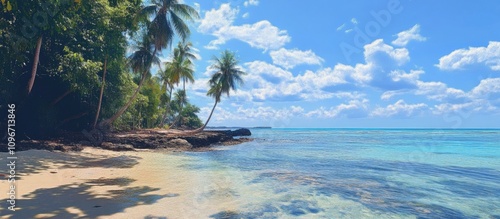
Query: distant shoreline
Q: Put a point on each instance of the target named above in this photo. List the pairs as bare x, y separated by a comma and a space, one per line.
237, 127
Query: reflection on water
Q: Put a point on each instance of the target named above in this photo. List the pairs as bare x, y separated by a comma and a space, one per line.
353, 174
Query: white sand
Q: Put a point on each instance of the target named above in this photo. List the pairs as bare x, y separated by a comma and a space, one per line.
97, 183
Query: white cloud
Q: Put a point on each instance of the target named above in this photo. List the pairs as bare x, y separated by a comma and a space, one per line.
378, 69
251, 2
260, 113
408, 35
354, 21
400, 56
340, 27
245, 15
352, 109
487, 87
268, 82
400, 75
489, 90
400, 109
293, 57
262, 34
271, 72
439, 91
458, 59
389, 94
322, 78
214, 19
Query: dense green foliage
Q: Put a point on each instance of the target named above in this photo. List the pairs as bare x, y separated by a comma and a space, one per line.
76, 39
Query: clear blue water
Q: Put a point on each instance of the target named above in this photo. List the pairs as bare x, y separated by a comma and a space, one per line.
356, 173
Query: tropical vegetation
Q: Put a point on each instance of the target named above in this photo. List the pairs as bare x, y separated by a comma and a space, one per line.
77, 65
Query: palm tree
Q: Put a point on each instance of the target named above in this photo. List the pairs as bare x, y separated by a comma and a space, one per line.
169, 15
140, 62
181, 68
184, 55
226, 78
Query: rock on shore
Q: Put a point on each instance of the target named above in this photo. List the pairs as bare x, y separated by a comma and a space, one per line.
142, 139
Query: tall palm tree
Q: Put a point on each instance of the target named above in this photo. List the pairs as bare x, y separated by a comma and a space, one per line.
168, 18
140, 62
185, 55
226, 78
181, 68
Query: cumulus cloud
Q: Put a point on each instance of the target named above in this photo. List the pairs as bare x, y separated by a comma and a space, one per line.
377, 51
458, 59
268, 71
439, 91
267, 81
487, 88
408, 35
378, 70
289, 58
400, 109
216, 19
260, 113
251, 2
352, 109
261, 35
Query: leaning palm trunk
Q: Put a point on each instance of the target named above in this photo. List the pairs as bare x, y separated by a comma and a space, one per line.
57, 100
35, 64
200, 129
102, 92
122, 110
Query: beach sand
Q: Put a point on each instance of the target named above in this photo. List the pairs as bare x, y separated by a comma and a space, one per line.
96, 183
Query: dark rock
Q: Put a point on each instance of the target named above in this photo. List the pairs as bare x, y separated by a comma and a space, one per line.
138, 139
241, 132
178, 143
208, 138
117, 147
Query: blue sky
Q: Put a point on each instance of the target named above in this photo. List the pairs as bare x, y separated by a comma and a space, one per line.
387, 63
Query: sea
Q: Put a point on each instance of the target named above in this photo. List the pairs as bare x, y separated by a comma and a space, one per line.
352, 173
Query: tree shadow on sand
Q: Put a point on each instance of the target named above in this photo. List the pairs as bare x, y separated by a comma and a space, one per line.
78, 201
34, 161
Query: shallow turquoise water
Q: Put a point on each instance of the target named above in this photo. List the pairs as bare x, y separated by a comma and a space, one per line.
355, 173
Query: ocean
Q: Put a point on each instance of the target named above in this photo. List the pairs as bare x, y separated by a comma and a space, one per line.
352, 173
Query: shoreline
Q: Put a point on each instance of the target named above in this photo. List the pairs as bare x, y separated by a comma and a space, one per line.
170, 140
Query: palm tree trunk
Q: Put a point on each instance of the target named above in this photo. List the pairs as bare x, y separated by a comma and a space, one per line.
183, 100
60, 97
198, 130
102, 92
122, 110
168, 107
35, 64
